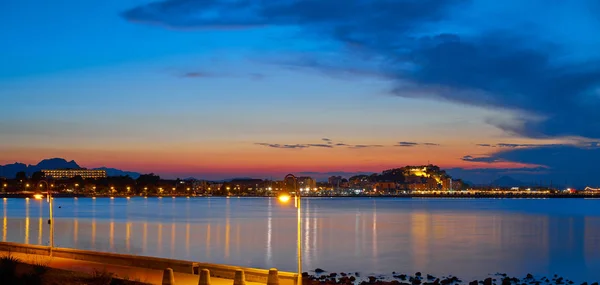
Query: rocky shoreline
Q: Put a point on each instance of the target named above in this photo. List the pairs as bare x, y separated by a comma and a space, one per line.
321, 277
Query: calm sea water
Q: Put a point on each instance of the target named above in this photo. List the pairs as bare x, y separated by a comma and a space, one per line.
469, 238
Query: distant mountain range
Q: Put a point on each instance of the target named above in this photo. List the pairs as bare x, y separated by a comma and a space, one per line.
11, 170
507, 181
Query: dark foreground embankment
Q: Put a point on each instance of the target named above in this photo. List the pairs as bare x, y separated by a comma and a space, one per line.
321, 277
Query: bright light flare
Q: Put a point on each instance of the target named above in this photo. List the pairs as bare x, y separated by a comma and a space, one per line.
284, 198
38, 196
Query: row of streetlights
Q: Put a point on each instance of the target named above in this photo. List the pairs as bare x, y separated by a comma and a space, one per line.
284, 197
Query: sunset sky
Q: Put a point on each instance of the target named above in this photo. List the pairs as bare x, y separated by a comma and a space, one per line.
225, 88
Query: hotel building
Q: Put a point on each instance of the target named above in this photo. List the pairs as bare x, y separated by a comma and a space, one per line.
70, 173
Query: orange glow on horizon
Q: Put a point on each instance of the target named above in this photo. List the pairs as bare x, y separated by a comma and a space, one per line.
247, 159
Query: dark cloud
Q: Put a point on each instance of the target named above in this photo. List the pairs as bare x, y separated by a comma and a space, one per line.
320, 145
568, 164
515, 145
329, 144
486, 159
407, 144
326, 139
532, 175
286, 146
491, 68
365, 145
412, 144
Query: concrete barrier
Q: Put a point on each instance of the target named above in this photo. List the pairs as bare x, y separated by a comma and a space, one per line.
24, 248
182, 266
251, 274
273, 278
168, 277
239, 278
125, 259
204, 277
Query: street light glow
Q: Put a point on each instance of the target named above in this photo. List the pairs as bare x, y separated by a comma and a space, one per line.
38, 196
284, 198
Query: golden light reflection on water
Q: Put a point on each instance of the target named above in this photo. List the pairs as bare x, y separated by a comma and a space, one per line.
111, 235
94, 233
237, 239
75, 231
40, 229
145, 237
173, 240
187, 237
27, 229
4, 222
227, 241
128, 237
208, 240
159, 242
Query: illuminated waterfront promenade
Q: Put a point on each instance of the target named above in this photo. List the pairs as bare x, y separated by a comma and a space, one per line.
139, 268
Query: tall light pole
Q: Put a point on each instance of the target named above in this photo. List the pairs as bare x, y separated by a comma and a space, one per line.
285, 198
50, 221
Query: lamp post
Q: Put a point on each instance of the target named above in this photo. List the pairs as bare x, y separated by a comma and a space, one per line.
50, 221
285, 198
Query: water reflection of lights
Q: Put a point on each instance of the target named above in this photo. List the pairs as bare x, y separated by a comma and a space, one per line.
40, 229
173, 240
75, 231
93, 233
187, 237
27, 230
4, 223
128, 236
208, 240
145, 237
111, 236
269, 233
227, 228
160, 238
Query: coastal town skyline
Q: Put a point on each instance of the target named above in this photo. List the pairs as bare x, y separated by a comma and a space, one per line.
217, 90
60, 165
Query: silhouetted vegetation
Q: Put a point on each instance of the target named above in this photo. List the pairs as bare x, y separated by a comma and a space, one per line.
16, 272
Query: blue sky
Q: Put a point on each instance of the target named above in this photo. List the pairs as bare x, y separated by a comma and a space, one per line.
216, 88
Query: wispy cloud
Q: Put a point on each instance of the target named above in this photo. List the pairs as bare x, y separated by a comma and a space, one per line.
329, 144
407, 144
197, 74
413, 144
366, 145
285, 146
486, 159
320, 145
